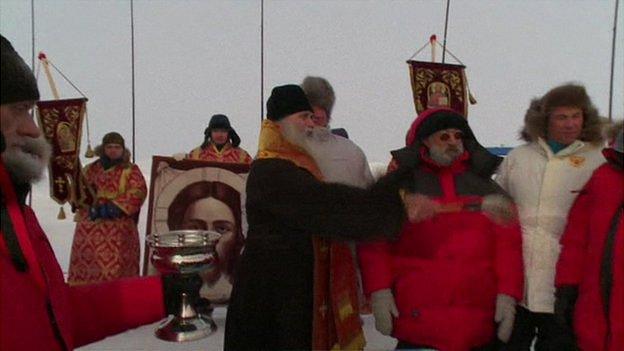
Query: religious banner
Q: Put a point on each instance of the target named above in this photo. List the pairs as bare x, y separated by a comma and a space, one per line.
61, 123
439, 85
204, 195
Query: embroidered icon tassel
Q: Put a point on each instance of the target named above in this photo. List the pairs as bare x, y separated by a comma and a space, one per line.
61, 214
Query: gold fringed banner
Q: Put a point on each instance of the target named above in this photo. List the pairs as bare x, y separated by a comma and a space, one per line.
438, 85
61, 122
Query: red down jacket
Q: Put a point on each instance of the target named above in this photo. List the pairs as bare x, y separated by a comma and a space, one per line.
46, 313
445, 272
595, 264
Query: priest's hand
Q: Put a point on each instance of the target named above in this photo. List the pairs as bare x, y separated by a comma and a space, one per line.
419, 207
384, 309
505, 316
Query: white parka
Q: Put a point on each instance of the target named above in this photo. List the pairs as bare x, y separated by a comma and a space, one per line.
544, 186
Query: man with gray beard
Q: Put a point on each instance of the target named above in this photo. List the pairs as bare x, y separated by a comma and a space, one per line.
452, 279
294, 288
38, 310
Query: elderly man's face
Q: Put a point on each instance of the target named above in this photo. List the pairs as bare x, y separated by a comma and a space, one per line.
445, 146
296, 127
565, 124
26, 153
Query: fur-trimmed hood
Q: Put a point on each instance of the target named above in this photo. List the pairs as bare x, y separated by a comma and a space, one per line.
612, 131
574, 95
613, 152
482, 162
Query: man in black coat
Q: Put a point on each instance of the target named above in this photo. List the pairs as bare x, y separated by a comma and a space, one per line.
290, 290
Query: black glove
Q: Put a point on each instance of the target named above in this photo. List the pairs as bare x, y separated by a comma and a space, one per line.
94, 213
176, 284
565, 299
112, 210
102, 211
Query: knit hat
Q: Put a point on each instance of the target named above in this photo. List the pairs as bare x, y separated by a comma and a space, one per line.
286, 100
18, 81
433, 120
220, 122
113, 138
319, 92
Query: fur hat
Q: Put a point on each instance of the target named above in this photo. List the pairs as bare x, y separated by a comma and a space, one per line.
113, 138
286, 100
220, 122
319, 92
567, 95
18, 81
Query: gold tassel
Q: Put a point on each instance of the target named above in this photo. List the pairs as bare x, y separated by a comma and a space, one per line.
89, 153
471, 98
61, 214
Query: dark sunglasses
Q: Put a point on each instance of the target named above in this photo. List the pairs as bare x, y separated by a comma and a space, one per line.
446, 136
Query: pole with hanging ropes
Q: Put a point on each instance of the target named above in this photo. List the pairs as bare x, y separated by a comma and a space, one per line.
133, 95
617, 2
448, 5
261, 61
32, 33
32, 60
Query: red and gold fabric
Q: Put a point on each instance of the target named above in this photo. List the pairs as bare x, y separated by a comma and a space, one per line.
107, 249
61, 123
436, 85
227, 154
336, 321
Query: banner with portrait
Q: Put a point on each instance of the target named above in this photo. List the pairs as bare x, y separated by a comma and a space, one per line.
193, 194
61, 123
438, 85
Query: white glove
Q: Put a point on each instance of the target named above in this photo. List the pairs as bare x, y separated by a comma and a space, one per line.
419, 207
384, 308
505, 315
499, 209
179, 156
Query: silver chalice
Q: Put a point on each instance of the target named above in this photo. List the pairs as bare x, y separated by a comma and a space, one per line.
180, 255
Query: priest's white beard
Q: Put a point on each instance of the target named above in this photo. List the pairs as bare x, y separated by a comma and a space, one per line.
445, 156
312, 141
26, 158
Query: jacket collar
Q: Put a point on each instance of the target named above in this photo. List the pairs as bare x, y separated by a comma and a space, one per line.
567, 151
477, 159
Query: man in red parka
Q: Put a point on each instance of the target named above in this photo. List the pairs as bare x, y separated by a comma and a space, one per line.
38, 310
590, 270
451, 277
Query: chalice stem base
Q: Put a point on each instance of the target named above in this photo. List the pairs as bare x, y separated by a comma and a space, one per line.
179, 329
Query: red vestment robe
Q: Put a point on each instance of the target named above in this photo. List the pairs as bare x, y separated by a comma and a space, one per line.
107, 249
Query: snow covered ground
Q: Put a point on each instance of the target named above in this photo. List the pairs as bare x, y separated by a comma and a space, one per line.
143, 339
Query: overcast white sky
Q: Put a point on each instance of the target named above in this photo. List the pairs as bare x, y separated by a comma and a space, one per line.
197, 58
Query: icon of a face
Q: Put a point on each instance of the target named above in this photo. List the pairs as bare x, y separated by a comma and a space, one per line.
215, 215
212, 206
